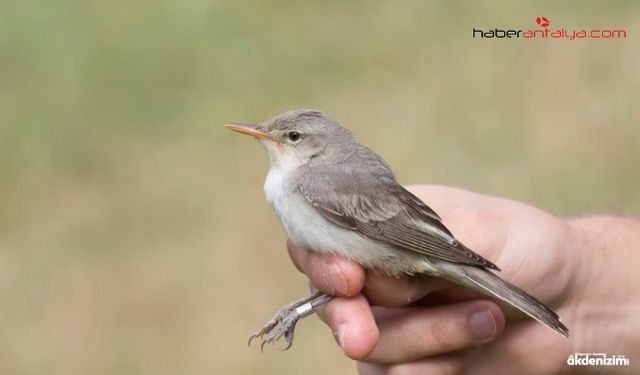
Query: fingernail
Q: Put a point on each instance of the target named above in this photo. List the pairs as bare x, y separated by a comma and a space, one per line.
483, 324
340, 333
337, 280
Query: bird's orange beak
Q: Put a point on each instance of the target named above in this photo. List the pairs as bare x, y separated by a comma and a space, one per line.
249, 129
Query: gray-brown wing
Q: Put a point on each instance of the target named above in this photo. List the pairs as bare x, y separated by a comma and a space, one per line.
409, 235
382, 209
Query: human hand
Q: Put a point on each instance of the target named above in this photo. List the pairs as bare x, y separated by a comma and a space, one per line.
421, 324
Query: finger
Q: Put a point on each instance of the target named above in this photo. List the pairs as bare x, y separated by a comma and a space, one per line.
440, 365
329, 273
383, 290
352, 324
335, 275
298, 256
421, 332
520, 341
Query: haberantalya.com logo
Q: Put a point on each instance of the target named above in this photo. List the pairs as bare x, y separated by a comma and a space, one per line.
546, 32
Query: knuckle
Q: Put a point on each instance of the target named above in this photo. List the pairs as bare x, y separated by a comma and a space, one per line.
470, 223
440, 337
470, 216
368, 368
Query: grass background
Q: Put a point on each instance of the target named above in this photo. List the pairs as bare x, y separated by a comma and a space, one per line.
134, 237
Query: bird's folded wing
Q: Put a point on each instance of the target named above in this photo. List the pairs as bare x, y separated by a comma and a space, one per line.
387, 212
397, 232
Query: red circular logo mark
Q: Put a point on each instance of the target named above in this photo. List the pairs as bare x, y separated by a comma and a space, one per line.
542, 21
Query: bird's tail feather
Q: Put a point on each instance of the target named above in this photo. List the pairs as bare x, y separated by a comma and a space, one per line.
489, 284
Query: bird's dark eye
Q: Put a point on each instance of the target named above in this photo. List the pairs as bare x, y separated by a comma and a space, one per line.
294, 136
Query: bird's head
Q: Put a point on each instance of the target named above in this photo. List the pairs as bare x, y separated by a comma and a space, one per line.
295, 137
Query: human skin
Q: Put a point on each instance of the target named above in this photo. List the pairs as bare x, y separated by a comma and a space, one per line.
584, 268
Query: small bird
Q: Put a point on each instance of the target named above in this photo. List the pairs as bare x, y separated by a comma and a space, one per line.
334, 195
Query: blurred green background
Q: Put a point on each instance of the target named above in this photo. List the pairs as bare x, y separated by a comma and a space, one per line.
134, 237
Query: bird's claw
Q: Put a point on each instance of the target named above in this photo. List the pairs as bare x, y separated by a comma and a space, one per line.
281, 325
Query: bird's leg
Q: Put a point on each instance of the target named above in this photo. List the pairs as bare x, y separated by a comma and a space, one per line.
283, 323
